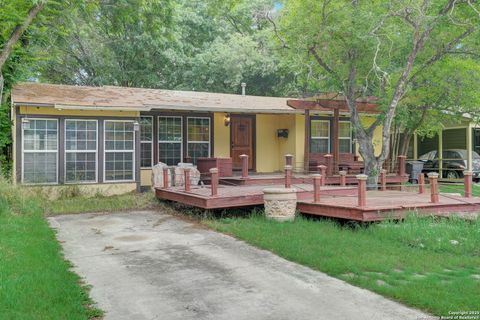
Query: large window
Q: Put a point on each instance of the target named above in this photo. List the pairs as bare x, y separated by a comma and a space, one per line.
80, 151
320, 136
345, 137
119, 150
170, 140
146, 142
198, 138
40, 151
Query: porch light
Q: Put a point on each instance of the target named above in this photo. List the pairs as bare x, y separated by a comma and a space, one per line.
25, 124
136, 126
226, 119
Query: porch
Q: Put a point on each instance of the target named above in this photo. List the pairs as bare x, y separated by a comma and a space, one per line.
339, 196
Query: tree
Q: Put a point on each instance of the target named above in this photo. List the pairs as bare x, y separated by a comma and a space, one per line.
365, 48
20, 25
16, 17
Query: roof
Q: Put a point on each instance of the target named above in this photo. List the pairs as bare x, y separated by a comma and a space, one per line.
141, 99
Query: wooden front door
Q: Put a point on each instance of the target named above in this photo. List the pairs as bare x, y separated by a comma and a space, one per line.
242, 130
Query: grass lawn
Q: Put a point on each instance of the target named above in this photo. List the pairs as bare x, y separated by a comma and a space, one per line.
426, 263
35, 280
459, 188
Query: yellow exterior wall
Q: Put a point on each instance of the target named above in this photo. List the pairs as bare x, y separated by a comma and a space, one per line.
221, 136
145, 177
377, 134
271, 150
65, 112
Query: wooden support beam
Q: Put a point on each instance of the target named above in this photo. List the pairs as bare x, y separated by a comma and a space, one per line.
343, 178
323, 172
306, 161
214, 181
468, 183
433, 179
421, 183
289, 160
330, 164
362, 190
244, 158
288, 176
317, 182
336, 139
383, 180
165, 178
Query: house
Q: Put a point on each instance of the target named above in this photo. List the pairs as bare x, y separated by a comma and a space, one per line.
107, 138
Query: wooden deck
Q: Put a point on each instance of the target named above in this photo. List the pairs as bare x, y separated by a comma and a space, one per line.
335, 201
383, 205
240, 196
273, 178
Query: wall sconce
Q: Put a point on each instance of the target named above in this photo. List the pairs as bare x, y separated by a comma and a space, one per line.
227, 120
25, 123
136, 126
282, 133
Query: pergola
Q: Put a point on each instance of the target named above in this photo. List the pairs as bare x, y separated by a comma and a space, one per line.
329, 105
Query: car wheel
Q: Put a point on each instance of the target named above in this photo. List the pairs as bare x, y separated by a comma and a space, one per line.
452, 174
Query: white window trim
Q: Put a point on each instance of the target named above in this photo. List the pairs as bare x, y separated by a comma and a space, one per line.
209, 134
151, 142
322, 138
115, 151
166, 141
347, 138
80, 151
39, 151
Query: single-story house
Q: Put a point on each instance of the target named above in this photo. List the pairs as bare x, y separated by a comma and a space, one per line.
108, 138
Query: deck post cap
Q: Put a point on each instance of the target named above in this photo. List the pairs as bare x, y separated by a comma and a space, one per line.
384, 171
432, 175
213, 170
342, 173
243, 155
362, 176
468, 173
288, 167
328, 155
289, 155
187, 168
402, 156
321, 166
316, 175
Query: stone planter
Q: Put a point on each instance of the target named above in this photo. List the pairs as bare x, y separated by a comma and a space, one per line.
280, 203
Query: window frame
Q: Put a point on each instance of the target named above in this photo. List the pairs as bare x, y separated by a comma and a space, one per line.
115, 151
181, 142
39, 151
199, 142
350, 138
328, 138
151, 142
65, 151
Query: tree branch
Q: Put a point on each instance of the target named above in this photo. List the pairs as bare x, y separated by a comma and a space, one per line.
18, 31
323, 64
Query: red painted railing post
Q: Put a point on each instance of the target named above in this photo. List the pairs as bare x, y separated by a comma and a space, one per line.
467, 176
323, 170
186, 172
214, 181
165, 177
433, 179
288, 176
329, 162
421, 183
343, 178
289, 160
383, 176
362, 190
317, 181
244, 158
402, 166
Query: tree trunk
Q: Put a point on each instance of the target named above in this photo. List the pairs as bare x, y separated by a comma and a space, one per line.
1, 87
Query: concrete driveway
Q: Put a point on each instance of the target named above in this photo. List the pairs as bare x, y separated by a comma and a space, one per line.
147, 265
